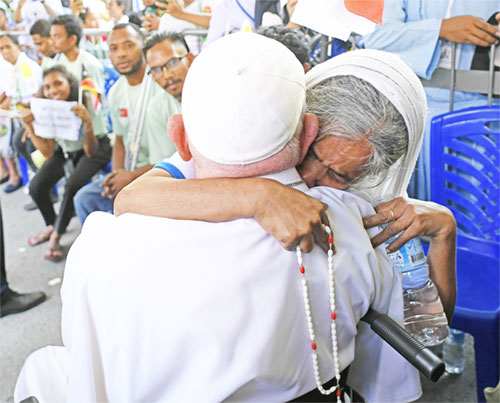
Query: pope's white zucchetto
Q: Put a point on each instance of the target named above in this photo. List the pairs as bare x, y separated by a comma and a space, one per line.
392, 77
242, 99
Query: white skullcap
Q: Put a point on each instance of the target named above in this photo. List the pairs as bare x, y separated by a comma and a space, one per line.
394, 79
242, 99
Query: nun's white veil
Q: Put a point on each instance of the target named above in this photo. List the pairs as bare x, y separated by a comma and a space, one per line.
394, 79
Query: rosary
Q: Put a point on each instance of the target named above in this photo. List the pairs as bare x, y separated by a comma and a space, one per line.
333, 325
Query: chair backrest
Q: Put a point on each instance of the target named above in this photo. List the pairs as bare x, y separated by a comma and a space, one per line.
110, 77
465, 171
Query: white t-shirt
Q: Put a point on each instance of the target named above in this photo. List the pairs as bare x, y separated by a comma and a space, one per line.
25, 79
31, 12
230, 16
172, 24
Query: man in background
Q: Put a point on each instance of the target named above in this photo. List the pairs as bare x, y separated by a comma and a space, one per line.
139, 109
25, 80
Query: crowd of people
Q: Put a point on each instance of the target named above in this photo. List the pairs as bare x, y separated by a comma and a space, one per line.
193, 130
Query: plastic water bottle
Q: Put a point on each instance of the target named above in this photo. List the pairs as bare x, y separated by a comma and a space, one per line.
423, 312
454, 352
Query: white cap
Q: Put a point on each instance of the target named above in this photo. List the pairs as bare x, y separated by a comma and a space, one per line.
242, 99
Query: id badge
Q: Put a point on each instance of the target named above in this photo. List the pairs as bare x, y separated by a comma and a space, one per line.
445, 57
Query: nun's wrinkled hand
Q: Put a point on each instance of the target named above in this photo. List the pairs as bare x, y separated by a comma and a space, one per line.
292, 217
411, 218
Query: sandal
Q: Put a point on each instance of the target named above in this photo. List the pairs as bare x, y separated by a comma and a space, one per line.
41, 237
55, 255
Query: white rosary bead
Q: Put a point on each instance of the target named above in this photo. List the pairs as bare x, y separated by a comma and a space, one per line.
310, 325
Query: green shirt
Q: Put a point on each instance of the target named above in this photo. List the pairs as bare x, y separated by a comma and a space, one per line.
95, 70
123, 100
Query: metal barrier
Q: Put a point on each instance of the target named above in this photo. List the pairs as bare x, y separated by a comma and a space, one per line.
482, 82
479, 81
100, 49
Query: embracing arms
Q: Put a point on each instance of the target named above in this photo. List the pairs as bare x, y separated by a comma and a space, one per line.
292, 217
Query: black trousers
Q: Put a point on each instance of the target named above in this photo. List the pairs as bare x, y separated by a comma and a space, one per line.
316, 396
53, 169
3, 274
24, 149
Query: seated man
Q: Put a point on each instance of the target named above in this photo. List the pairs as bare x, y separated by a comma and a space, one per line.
161, 305
40, 34
24, 81
169, 60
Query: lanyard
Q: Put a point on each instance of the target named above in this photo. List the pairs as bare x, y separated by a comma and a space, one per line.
245, 11
134, 140
448, 11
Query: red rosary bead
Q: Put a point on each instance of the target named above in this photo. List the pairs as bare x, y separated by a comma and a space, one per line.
313, 345
302, 270
330, 239
334, 316
339, 392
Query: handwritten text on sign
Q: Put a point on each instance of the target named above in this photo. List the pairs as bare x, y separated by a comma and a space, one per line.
55, 119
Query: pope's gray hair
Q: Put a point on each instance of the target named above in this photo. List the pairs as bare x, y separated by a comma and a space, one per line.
353, 109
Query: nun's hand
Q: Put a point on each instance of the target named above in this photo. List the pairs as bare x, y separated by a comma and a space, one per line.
411, 218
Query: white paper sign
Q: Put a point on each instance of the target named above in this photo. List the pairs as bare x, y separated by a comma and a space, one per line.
55, 119
331, 18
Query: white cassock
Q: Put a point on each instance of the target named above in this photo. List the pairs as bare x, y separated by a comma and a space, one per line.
160, 310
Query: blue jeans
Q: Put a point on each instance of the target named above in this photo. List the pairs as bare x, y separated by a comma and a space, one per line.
88, 199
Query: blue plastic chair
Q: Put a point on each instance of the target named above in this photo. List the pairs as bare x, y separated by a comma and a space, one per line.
110, 77
465, 176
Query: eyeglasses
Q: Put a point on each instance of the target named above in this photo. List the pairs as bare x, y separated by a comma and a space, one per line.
342, 179
173, 64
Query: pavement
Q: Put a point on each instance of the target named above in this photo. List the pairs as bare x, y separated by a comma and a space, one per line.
27, 271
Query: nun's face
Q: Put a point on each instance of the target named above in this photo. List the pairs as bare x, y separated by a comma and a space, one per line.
334, 162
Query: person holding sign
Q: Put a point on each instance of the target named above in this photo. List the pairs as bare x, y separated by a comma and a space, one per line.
88, 154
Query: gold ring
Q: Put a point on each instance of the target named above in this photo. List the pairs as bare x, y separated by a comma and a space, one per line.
392, 215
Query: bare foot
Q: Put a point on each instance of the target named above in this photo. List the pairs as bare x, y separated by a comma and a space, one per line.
54, 240
42, 236
55, 252
14, 180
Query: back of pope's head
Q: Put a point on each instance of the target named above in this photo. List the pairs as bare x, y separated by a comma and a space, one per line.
242, 106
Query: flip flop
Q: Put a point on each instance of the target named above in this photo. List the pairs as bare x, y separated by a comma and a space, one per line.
41, 237
55, 255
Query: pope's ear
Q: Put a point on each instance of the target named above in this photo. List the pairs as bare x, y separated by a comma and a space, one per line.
310, 129
177, 134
